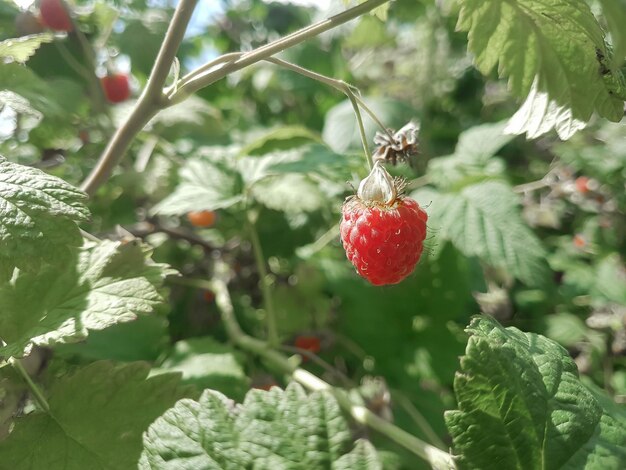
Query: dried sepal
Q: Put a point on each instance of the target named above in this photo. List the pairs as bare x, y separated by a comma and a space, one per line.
398, 146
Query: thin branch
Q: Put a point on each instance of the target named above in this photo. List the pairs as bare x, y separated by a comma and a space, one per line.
437, 458
148, 104
272, 48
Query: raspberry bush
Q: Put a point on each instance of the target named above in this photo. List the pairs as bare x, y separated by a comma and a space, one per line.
256, 234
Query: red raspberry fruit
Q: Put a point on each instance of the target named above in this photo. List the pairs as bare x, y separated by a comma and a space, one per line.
582, 184
53, 15
382, 233
309, 343
116, 87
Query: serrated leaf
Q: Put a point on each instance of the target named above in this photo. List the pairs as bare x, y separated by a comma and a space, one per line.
21, 49
206, 184
521, 405
363, 456
539, 114
205, 363
484, 220
97, 415
38, 215
275, 429
555, 44
106, 284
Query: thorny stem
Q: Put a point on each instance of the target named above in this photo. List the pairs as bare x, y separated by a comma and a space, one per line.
437, 458
149, 103
266, 288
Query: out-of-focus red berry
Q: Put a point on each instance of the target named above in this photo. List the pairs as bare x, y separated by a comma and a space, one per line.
202, 219
116, 87
582, 184
54, 15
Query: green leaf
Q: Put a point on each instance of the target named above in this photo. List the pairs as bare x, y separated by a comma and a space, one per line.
38, 215
521, 405
108, 283
18, 103
275, 429
552, 44
21, 49
614, 11
206, 363
97, 415
206, 184
363, 456
473, 158
291, 193
484, 220
281, 138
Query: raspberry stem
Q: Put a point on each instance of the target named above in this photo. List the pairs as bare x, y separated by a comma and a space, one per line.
35, 390
268, 301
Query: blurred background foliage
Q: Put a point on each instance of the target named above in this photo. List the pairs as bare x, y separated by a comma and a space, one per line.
531, 232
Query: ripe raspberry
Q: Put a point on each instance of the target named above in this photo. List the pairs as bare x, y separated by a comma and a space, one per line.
116, 87
55, 16
310, 343
382, 233
202, 219
582, 184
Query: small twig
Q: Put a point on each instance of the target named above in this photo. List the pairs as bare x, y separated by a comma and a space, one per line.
417, 417
320, 362
532, 186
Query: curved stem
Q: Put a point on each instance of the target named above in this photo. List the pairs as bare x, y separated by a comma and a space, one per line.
266, 288
343, 87
359, 121
148, 104
437, 458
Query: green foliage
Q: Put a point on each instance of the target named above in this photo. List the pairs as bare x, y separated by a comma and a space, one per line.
275, 429
483, 220
107, 283
97, 415
38, 218
522, 405
21, 49
206, 363
552, 47
273, 148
